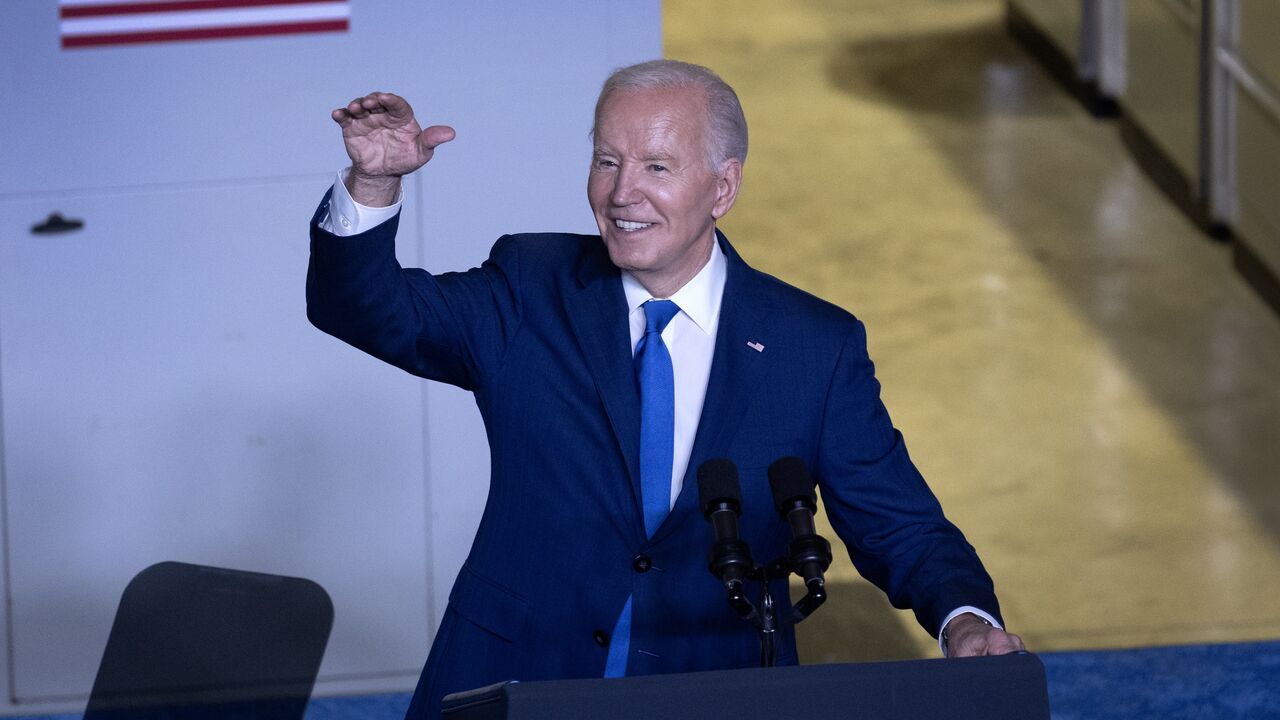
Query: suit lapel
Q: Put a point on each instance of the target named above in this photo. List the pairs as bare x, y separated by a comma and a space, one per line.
736, 370
598, 314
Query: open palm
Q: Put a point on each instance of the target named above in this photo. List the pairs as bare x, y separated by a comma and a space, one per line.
384, 139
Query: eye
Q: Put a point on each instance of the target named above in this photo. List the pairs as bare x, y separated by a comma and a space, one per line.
605, 163
658, 168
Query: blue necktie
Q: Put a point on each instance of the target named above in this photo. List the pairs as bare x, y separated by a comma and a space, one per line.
657, 413
657, 449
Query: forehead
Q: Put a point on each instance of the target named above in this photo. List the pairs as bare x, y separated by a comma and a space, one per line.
631, 119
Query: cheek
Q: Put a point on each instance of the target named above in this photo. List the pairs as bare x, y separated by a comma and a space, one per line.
686, 199
597, 191
665, 199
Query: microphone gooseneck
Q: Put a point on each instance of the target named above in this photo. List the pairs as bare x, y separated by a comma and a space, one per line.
810, 553
720, 497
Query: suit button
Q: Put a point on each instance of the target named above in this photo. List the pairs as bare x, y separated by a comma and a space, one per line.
641, 563
601, 638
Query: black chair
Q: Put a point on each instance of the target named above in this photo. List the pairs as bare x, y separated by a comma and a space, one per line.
191, 642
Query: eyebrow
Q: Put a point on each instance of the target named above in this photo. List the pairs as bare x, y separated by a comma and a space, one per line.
655, 156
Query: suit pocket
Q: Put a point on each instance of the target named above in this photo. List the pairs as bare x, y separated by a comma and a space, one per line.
489, 605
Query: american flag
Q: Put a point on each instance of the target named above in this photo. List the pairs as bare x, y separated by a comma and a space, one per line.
87, 23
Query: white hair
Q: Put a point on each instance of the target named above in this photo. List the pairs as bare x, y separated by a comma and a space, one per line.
726, 125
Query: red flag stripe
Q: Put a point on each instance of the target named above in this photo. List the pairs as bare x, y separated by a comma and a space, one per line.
135, 8
203, 33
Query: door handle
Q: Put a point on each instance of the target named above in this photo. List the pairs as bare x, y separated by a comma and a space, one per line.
55, 223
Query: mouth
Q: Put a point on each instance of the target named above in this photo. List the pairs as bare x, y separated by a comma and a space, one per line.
629, 225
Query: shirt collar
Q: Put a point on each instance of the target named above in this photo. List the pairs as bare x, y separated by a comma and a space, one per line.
699, 298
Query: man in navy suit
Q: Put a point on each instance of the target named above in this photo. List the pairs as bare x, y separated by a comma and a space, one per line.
580, 568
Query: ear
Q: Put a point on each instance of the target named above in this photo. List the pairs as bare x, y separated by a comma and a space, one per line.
728, 180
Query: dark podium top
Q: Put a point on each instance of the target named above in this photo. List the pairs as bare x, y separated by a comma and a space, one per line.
990, 688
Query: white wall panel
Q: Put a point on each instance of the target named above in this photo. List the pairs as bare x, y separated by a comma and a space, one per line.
258, 107
166, 398
162, 394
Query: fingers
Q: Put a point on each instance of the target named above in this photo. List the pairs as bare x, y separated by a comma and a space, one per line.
437, 135
993, 641
382, 137
374, 103
1000, 642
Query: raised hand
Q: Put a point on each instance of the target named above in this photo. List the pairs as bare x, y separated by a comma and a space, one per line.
384, 142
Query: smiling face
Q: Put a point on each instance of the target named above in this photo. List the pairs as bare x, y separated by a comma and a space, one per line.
653, 193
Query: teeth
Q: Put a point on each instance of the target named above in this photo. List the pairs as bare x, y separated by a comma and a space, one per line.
628, 226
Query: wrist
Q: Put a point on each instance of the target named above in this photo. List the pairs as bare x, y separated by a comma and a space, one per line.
957, 626
372, 190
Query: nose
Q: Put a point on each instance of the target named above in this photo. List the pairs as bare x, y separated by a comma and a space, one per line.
625, 189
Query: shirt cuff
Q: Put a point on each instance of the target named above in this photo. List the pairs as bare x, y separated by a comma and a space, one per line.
960, 611
345, 217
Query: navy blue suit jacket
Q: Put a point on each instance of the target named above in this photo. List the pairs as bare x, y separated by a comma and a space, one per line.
539, 334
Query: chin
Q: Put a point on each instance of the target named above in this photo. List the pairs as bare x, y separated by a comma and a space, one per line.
624, 260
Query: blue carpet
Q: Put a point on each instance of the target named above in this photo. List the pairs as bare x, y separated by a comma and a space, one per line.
368, 707
1190, 682
1187, 682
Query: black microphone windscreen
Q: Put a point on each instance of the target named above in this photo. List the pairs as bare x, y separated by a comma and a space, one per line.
789, 479
718, 481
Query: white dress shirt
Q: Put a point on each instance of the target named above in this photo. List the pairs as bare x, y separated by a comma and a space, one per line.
347, 217
690, 337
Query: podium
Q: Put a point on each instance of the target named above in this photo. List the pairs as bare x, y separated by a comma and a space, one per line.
988, 688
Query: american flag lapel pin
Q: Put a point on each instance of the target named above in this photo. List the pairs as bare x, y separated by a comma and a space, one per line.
758, 347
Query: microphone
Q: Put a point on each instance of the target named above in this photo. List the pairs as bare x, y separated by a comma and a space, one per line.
810, 553
720, 497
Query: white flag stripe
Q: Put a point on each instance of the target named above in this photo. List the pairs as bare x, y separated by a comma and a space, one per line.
193, 19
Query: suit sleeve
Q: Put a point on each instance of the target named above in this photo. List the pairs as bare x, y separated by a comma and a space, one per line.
882, 508
452, 327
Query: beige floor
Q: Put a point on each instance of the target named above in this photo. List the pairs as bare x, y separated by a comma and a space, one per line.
1085, 381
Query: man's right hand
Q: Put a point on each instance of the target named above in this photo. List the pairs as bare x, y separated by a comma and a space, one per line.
384, 142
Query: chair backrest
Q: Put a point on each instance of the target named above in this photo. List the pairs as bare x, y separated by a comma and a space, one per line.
191, 642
